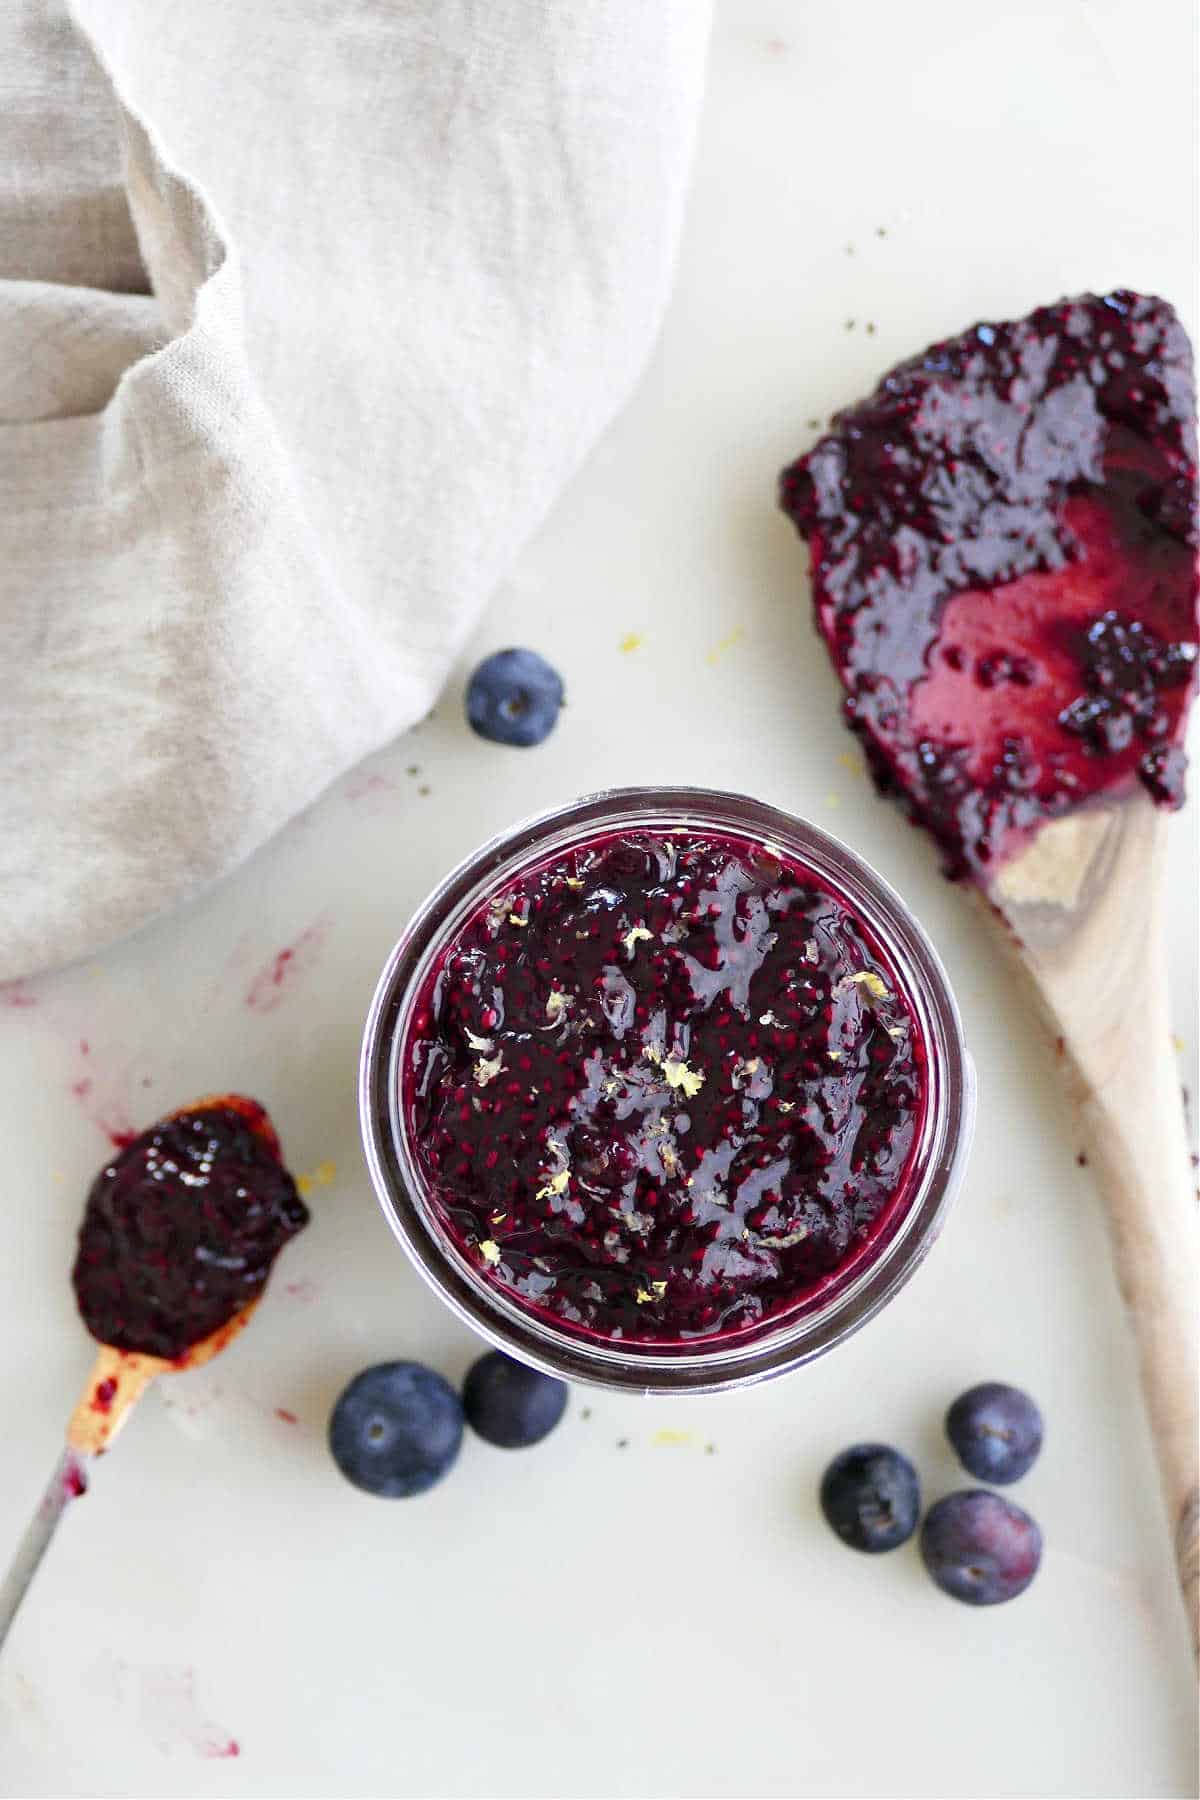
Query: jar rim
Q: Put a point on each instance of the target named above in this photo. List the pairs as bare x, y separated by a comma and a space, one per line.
798, 1334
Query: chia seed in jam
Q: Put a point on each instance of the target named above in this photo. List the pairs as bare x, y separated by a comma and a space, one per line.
664, 1087
1003, 541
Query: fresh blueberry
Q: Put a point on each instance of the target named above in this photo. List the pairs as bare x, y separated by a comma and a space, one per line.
511, 1405
514, 697
396, 1429
871, 1496
980, 1548
996, 1432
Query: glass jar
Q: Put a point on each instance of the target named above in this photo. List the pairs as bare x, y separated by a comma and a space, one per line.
815, 1324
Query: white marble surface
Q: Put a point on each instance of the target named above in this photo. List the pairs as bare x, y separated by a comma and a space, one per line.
587, 1619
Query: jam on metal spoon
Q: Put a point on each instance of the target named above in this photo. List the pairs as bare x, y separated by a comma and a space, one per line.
182, 1227
178, 1237
1003, 541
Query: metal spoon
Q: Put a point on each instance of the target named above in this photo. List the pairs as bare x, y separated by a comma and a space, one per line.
117, 1382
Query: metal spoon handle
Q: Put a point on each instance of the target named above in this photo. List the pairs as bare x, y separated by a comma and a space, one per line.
116, 1383
68, 1481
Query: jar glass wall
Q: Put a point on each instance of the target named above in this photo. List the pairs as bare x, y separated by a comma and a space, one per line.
781, 1341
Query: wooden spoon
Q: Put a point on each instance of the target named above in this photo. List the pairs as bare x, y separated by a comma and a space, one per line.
1084, 905
117, 1382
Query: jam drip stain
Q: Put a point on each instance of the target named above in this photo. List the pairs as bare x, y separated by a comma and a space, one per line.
103, 1395
74, 1478
180, 1230
663, 1088
275, 979
1003, 541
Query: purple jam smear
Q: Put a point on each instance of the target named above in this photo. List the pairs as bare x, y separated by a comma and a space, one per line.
1003, 541
664, 1088
181, 1229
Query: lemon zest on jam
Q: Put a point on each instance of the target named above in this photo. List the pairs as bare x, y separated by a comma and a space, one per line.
490, 1251
864, 978
645, 1296
557, 1184
678, 1075
781, 1243
487, 1068
635, 936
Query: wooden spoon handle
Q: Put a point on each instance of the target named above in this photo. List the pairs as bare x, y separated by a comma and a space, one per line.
1134, 1131
1086, 906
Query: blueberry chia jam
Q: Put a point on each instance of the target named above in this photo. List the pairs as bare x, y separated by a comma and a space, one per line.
665, 1090
181, 1229
1003, 540
664, 1086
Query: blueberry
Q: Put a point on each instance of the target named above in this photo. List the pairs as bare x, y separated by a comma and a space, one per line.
996, 1432
871, 1496
513, 698
396, 1429
509, 1404
980, 1548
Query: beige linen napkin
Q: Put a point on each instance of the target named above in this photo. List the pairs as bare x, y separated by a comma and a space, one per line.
308, 311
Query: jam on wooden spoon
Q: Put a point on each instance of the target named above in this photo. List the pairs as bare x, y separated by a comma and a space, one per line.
178, 1237
1003, 540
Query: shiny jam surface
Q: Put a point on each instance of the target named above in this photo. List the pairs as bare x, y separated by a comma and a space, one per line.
664, 1087
1003, 541
182, 1227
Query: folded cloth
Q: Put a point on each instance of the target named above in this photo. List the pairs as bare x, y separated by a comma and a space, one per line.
307, 313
